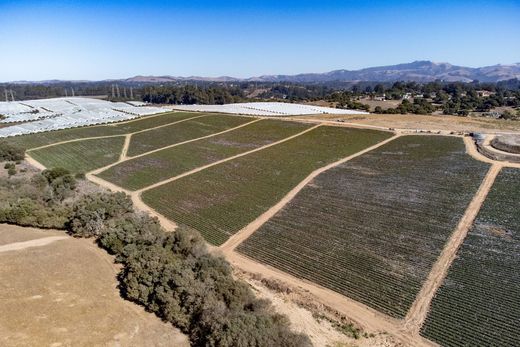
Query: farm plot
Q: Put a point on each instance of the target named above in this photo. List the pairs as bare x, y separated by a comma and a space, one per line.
479, 302
221, 200
46, 138
372, 228
149, 169
158, 138
81, 156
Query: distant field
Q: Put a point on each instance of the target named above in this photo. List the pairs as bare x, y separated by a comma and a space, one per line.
149, 169
221, 200
81, 156
372, 228
46, 138
190, 129
479, 302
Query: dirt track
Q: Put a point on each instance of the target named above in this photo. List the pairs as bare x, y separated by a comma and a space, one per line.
419, 309
16, 246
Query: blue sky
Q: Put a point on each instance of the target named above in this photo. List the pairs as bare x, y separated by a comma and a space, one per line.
116, 39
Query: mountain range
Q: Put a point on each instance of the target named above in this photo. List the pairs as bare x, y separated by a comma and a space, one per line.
418, 71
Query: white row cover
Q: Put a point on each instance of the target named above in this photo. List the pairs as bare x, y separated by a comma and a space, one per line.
267, 109
62, 113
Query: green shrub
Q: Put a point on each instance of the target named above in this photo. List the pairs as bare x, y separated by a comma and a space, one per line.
10, 152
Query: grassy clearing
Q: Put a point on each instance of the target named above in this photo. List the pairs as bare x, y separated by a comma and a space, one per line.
372, 227
46, 138
221, 200
162, 137
149, 169
81, 156
479, 302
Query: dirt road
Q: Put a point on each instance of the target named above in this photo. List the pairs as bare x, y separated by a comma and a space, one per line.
16, 246
419, 309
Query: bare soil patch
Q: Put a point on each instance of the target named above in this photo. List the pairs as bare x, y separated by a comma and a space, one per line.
64, 294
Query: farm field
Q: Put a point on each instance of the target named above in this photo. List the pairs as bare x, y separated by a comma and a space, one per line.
149, 169
479, 302
46, 138
371, 228
190, 129
221, 200
81, 156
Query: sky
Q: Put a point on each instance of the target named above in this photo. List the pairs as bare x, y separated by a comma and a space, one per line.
97, 40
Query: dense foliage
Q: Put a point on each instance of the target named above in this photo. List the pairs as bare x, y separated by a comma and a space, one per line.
171, 274
11, 152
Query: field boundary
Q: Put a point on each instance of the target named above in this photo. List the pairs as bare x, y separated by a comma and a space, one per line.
18, 246
109, 136
97, 171
248, 230
419, 310
204, 167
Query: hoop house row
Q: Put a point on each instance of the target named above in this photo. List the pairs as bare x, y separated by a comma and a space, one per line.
479, 302
372, 227
221, 200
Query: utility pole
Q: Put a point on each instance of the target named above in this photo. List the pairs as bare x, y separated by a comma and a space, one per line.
113, 92
118, 93
12, 96
66, 94
131, 93
6, 98
72, 89
124, 92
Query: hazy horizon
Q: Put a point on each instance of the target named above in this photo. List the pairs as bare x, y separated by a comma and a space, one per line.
94, 40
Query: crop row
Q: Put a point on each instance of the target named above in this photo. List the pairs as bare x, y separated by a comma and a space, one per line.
149, 169
221, 200
175, 133
372, 227
81, 156
46, 138
479, 302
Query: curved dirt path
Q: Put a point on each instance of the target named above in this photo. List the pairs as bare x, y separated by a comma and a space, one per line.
420, 308
471, 149
17, 246
248, 230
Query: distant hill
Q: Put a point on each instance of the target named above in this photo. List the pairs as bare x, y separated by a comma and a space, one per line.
419, 71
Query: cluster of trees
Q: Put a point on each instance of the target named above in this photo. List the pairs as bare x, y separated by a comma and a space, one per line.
10, 152
418, 106
193, 94
171, 274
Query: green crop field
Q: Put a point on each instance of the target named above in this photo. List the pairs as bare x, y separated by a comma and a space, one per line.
372, 228
81, 156
479, 302
221, 200
49, 137
149, 169
175, 133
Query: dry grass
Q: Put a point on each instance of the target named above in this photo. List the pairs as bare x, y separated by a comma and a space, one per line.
64, 294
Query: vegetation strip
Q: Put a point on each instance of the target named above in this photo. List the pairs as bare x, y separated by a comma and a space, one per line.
76, 134
244, 188
147, 170
478, 303
372, 228
82, 156
179, 132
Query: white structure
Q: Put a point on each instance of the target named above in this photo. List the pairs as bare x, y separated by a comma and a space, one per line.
267, 109
61, 113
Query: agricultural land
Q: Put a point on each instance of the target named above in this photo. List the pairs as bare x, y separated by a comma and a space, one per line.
393, 225
479, 301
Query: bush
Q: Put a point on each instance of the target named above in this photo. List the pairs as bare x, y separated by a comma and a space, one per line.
9, 152
11, 171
